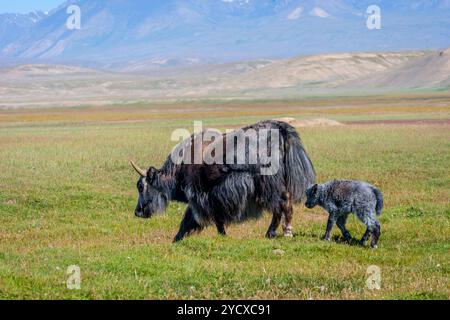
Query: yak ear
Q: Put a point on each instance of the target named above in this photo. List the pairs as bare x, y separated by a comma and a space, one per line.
151, 174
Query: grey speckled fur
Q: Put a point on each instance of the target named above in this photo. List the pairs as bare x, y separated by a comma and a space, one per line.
342, 197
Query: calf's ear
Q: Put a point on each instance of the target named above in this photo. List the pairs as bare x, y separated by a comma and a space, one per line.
314, 188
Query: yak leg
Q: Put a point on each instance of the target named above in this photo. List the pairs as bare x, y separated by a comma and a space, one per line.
341, 221
276, 219
375, 235
365, 237
283, 212
330, 224
286, 208
221, 228
188, 226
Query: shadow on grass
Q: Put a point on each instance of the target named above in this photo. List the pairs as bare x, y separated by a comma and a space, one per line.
350, 242
354, 242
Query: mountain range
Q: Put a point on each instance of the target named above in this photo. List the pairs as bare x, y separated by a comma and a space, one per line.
150, 35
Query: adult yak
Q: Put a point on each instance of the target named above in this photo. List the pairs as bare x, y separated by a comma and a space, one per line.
237, 185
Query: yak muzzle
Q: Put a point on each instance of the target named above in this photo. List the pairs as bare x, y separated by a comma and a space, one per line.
143, 212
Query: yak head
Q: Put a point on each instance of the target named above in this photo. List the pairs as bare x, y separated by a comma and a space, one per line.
151, 198
312, 196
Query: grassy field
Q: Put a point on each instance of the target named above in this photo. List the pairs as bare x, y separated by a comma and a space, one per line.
67, 196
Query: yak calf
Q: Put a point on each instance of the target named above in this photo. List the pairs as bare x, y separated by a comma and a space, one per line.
342, 197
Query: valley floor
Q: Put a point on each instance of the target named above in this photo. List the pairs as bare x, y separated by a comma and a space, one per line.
67, 196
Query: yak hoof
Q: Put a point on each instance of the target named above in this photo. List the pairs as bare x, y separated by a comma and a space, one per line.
177, 239
271, 235
288, 234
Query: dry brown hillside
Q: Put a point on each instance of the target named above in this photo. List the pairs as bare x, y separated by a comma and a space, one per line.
323, 70
430, 70
43, 85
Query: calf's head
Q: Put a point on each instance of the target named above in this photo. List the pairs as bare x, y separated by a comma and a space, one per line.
151, 199
312, 196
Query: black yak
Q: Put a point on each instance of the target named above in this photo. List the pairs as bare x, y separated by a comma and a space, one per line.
239, 184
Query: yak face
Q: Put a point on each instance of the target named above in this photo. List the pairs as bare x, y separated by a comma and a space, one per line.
312, 196
151, 200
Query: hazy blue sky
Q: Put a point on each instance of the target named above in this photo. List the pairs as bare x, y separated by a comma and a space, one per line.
23, 6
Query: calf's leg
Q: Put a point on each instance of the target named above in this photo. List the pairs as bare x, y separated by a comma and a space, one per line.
373, 228
365, 237
375, 235
330, 224
341, 221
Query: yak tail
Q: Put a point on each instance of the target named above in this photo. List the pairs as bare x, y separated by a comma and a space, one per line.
380, 200
299, 170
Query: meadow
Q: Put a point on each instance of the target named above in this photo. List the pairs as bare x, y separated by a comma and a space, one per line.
67, 197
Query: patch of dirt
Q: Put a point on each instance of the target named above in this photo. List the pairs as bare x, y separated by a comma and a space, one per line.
278, 252
320, 122
11, 202
401, 122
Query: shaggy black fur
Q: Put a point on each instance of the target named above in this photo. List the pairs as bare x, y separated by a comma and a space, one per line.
220, 194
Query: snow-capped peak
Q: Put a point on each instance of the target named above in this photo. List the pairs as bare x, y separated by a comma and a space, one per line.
294, 15
238, 1
319, 12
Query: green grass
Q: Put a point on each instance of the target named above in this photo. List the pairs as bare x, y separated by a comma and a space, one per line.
67, 196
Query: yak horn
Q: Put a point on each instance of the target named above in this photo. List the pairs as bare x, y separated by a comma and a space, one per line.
141, 172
